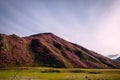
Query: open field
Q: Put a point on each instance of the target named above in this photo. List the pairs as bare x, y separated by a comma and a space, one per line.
38, 73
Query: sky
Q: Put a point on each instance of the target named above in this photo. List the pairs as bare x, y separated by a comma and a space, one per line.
93, 24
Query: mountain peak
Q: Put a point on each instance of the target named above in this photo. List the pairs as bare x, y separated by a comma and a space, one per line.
41, 34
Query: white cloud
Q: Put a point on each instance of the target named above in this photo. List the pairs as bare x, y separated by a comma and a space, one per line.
108, 30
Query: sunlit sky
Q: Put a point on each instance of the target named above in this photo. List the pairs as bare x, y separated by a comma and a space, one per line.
94, 24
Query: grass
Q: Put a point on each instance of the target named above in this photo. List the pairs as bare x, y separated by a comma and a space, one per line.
38, 73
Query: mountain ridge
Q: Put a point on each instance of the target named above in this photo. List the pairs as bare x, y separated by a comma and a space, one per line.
47, 49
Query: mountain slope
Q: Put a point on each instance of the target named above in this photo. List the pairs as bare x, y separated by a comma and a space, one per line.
13, 51
49, 50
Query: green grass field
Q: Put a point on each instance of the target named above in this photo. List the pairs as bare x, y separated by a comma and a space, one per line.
38, 73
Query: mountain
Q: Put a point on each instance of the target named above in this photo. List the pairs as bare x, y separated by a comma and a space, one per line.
47, 49
118, 59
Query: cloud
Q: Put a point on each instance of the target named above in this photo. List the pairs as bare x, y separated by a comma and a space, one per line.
107, 30
114, 56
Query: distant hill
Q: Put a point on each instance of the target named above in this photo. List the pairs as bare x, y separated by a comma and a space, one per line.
118, 59
48, 50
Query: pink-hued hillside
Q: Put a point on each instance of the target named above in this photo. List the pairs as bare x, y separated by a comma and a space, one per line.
48, 50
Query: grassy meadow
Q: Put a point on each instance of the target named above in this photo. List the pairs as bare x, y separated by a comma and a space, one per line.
38, 73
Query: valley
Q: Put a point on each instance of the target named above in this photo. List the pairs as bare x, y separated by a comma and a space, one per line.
47, 73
